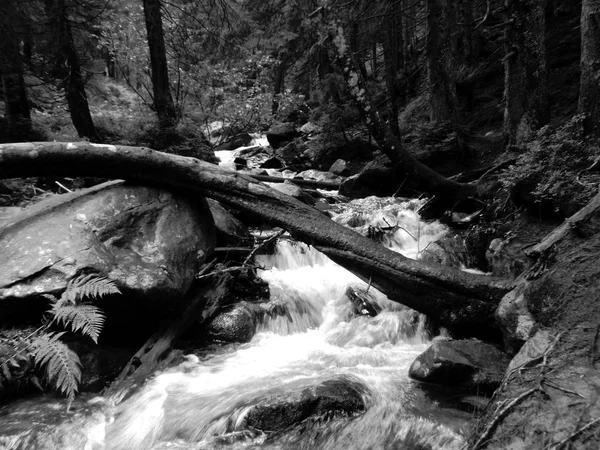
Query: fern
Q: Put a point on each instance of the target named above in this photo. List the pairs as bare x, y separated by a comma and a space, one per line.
88, 286
87, 319
62, 365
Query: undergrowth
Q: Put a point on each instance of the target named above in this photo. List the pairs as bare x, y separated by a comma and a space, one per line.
42, 358
553, 171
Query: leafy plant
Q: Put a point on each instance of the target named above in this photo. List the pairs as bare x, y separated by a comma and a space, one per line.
44, 349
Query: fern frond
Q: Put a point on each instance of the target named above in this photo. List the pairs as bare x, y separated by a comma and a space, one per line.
62, 365
89, 286
88, 319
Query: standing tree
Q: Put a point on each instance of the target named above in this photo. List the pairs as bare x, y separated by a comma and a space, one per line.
525, 75
17, 114
67, 68
163, 101
440, 72
589, 88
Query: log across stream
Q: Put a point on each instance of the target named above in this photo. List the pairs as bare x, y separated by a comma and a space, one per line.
206, 402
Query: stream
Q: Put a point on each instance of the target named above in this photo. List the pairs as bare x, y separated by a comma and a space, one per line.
203, 402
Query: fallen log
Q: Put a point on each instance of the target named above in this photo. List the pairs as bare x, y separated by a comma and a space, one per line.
462, 302
330, 185
573, 223
201, 304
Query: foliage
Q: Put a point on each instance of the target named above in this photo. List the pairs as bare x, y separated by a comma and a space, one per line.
45, 349
551, 165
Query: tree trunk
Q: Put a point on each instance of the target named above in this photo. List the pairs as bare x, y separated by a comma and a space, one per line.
277, 86
392, 47
525, 75
16, 109
440, 73
161, 89
589, 87
69, 70
462, 302
409, 172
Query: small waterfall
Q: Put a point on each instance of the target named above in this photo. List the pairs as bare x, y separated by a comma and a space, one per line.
317, 337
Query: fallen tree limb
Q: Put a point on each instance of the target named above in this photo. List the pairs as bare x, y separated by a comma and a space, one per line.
202, 304
460, 301
572, 223
299, 181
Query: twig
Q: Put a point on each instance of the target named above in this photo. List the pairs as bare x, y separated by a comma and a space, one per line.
261, 245
63, 186
499, 416
228, 269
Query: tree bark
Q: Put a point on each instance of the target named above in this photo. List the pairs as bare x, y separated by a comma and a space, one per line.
525, 75
464, 303
161, 89
589, 87
16, 110
440, 73
69, 70
392, 48
201, 305
410, 173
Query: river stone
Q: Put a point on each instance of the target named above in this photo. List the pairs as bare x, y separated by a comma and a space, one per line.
329, 399
234, 323
281, 134
230, 231
468, 363
514, 317
149, 241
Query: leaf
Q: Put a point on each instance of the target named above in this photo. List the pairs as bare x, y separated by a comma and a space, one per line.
62, 365
87, 319
89, 286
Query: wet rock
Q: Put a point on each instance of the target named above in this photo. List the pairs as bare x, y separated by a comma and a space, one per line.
239, 140
364, 303
327, 400
377, 178
235, 323
470, 364
293, 190
281, 134
320, 175
99, 365
272, 163
322, 151
230, 231
340, 167
240, 163
149, 241
505, 260
292, 153
516, 321
447, 251
311, 128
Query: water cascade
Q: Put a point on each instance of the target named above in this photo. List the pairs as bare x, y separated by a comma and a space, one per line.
204, 402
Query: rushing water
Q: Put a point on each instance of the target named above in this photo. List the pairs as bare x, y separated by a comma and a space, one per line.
201, 404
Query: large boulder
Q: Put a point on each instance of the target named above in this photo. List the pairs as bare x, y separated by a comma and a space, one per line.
340, 397
281, 134
469, 364
150, 242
